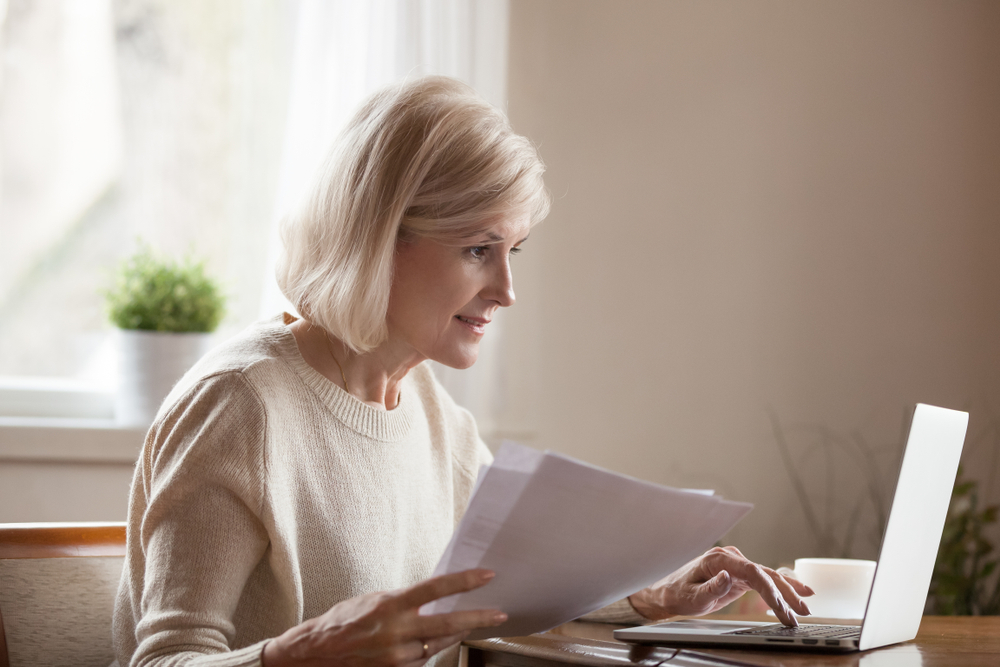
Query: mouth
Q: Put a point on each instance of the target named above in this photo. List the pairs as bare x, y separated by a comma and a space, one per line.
476, 324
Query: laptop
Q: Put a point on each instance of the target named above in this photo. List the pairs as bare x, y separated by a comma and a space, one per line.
905, 563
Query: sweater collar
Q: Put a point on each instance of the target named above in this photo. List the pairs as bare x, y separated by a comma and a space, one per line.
386, 425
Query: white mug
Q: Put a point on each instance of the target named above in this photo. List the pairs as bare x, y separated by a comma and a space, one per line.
842, 585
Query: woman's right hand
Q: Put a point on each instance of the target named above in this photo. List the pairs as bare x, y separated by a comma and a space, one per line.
384, 628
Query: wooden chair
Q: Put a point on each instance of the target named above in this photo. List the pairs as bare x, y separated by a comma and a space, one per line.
57, 589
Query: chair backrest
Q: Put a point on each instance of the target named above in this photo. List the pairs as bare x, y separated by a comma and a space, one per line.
57, 590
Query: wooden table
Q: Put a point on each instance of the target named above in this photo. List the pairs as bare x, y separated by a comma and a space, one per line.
952, 641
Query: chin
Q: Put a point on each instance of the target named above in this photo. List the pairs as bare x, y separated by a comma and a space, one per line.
459, 360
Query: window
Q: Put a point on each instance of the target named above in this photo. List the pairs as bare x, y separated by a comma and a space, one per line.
127, 120
191, 125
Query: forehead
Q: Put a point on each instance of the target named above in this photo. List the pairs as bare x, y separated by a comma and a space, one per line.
511, 227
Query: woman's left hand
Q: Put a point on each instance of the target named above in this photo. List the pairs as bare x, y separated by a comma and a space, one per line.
715, 579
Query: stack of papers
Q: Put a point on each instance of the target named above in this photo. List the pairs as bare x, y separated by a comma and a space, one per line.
566, 538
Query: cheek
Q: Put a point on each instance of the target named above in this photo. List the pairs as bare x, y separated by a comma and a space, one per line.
449, 290
422, 301
431, 286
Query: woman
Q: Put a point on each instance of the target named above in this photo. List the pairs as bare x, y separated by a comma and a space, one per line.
301, 481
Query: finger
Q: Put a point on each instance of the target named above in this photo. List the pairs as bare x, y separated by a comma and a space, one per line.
758, 578
443, 586
736, 552
801, 587
791, 589
441, 643
768, 591
434, 646
444, 625
423, 650
408, 653
714, 589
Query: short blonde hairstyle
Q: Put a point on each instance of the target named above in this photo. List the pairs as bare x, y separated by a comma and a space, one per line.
427, 158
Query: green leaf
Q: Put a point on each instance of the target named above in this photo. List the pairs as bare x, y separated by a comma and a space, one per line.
155, 294
964, 582
963, 488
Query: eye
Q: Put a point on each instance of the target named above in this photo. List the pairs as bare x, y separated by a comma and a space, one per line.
479, 251
515, 250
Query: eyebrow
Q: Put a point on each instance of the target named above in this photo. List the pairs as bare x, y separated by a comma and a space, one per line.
493, 237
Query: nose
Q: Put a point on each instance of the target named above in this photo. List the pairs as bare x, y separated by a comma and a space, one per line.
500, 288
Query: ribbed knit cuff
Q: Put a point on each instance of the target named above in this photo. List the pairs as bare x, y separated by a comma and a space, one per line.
248, 656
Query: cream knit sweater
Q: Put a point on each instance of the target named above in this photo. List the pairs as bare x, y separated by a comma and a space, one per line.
265, 494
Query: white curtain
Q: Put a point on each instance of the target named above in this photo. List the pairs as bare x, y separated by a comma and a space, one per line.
347, 49
62, 139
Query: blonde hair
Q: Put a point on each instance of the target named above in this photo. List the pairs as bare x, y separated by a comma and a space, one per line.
427, 158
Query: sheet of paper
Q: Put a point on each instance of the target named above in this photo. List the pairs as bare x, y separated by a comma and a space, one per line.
566, 538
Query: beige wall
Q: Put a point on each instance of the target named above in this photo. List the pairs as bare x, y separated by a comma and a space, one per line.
759, 206
72, 472
63, 491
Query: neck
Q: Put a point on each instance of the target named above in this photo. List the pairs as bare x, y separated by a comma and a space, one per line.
374, 377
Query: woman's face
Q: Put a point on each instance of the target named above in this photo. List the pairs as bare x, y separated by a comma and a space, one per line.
443, 297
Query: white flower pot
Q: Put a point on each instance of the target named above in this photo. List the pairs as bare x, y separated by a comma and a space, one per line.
149, 364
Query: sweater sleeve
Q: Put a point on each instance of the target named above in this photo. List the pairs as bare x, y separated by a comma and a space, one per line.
200, 535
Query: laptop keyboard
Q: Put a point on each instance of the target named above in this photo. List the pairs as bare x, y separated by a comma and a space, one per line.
809, 631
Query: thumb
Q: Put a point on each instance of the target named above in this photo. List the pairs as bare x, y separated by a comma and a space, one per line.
715, 588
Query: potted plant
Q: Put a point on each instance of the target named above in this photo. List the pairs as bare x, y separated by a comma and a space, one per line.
965, 579
165, 311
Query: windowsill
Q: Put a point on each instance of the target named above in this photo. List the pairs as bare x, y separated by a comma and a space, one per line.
53, 440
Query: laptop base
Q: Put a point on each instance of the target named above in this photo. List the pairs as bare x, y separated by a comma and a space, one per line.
723, 634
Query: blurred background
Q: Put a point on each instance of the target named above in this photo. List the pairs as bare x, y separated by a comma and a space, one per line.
776, 224
776, 228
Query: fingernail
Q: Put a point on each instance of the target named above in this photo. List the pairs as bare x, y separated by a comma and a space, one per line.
487, 575
806, 607
810, 591
499, 617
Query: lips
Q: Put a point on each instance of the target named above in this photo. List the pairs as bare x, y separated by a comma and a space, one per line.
475, 321
476, 324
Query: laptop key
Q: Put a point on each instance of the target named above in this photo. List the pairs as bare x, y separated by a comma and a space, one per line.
807, 630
